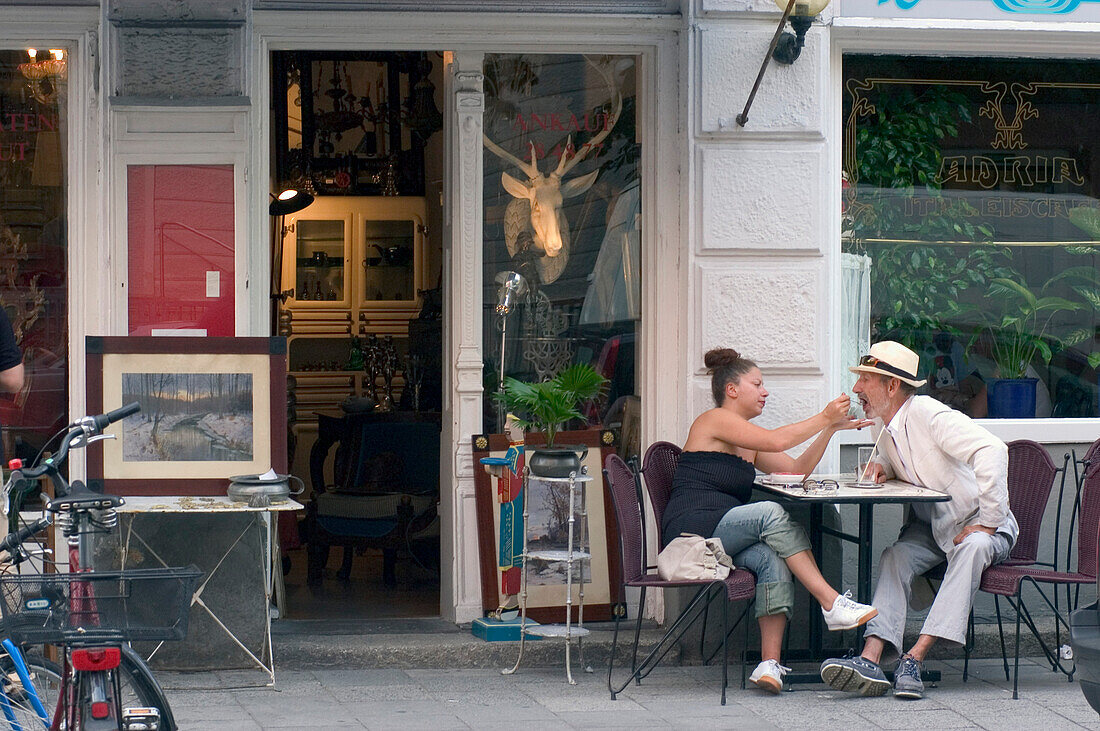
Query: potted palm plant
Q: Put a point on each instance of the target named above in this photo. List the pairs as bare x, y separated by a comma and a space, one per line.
1019, 331
546, 407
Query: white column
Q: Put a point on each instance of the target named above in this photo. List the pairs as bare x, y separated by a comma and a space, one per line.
460, 593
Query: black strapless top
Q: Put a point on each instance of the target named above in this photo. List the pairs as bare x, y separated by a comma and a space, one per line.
704, 487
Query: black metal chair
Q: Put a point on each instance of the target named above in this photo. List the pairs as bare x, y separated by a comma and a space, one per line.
625, 487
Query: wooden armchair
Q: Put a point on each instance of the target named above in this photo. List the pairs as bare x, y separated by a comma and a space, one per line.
385, 491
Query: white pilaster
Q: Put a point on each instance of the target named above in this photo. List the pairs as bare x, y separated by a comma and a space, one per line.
460, 595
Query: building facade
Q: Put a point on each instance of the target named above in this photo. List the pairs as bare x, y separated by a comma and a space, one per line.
707, 232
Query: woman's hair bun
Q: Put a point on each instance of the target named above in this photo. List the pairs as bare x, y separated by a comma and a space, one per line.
719, 357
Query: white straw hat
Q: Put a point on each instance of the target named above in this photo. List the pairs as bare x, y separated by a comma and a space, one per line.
891, 359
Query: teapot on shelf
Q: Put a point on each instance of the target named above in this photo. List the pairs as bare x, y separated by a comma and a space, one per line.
394, 255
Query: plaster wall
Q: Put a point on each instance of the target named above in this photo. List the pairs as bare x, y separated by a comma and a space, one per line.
760, 239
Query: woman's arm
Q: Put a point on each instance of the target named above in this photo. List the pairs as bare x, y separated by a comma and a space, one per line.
807, 461
725, 426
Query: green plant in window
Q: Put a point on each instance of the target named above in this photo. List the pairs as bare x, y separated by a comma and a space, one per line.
549, 405
916, 280
1086, 219
1021, 327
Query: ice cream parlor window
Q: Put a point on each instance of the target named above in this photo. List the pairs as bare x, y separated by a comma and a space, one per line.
971, 226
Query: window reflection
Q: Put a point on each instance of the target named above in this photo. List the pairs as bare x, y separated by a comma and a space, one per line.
563, 211
972, 226
33, 261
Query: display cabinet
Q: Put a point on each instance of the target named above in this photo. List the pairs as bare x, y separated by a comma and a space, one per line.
356, 265
356, 252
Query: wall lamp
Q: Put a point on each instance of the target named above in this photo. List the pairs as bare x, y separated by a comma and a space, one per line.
785, 47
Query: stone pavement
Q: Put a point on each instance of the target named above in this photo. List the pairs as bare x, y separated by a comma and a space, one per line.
673, 697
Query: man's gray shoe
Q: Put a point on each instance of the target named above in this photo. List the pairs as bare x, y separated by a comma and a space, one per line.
907, 682
855, 675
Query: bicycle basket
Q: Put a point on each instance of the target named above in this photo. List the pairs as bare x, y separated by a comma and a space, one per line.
99, 606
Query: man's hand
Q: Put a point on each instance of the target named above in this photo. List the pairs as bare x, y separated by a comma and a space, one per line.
973, 529
875, 473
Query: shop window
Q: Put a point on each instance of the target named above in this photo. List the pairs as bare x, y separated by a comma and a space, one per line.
563, 211
180, 235
33, 241
971, 226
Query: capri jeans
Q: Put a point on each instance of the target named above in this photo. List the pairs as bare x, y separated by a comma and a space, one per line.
759, 537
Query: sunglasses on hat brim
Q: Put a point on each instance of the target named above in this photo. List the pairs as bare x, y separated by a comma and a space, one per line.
871, 361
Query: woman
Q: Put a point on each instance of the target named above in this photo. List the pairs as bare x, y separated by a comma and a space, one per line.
710, 497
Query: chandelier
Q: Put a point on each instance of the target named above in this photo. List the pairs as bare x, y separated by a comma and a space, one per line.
43, 76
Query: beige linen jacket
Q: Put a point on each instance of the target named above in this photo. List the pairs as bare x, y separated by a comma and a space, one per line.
948, 452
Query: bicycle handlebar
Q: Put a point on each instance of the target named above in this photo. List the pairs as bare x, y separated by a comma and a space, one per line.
21, 535
81, 429
103, 420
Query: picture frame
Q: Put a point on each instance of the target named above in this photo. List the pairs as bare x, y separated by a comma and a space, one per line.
212, 408
546, 603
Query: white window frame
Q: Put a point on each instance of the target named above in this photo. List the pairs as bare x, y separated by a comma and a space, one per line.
655, 40
946, 38
160, 135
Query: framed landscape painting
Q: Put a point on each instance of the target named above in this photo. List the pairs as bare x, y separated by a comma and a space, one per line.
211, 408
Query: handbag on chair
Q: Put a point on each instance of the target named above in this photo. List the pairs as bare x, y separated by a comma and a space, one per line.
692, 558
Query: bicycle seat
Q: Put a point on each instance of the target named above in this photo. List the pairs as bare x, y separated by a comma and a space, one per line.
79, 497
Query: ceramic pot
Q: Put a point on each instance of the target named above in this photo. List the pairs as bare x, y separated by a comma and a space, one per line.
1013, 398
557, 461
258, 492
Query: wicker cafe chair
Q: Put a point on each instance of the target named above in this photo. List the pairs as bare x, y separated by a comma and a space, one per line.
1031, 475
1080, 467
625, 487
1008, 581
658, 466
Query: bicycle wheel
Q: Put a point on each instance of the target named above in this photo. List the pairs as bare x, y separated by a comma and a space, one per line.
46, 678
137, 688
140, 688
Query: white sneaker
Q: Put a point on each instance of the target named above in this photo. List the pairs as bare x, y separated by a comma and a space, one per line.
848, 613
769, 676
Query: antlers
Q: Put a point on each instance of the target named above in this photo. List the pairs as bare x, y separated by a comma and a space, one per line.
567, 162
530, 170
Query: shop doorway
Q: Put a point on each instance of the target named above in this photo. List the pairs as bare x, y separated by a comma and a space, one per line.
357, 257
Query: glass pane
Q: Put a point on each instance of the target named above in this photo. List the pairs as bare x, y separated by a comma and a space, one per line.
389, 263
180, 225
34, 243
320, 260
972, 226
563, 211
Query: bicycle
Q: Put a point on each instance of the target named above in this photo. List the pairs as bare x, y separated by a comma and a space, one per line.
90, 616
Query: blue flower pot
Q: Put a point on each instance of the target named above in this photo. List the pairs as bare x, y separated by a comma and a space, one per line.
1013, 398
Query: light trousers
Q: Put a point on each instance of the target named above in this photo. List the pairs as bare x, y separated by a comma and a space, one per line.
916, 552
758, 537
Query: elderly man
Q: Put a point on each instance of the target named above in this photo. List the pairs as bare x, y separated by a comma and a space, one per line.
929, 444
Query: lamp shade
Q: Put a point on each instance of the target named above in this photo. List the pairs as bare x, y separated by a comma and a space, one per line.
808, 8
289, 201
510, 287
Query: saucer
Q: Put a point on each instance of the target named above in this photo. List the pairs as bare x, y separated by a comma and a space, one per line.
785, 478
866, 485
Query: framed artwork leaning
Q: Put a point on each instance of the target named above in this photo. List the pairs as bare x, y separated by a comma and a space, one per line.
546, 583
211, 408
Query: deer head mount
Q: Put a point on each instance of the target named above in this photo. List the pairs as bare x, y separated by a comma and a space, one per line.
535, 218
